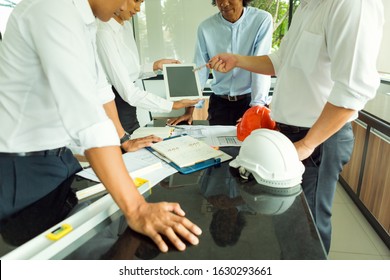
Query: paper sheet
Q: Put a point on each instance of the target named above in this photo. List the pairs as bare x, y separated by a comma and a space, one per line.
216, 135
185, 150
162, 132
141, 163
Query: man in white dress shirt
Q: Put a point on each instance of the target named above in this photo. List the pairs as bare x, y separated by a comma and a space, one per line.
51, 90
326, 72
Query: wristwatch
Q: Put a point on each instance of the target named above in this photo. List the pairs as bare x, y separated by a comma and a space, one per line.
125, 138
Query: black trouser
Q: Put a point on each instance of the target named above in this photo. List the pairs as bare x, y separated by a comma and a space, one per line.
224, 112
41, 215
127, 113
26, 179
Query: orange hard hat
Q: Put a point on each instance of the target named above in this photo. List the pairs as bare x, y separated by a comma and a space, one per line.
254, 118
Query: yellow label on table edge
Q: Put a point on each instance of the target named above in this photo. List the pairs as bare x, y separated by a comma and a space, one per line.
60, 232
138, 182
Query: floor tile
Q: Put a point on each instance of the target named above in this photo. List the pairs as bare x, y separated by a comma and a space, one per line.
353, 237
338, 196
371, 233
348, 235
342, 195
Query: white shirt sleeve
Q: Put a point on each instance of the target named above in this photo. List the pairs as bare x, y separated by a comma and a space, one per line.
353, 42
147, 71
105, 92
277, 56
262, 83
119, 78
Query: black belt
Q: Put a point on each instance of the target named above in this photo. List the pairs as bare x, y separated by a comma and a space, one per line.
55, 152
285, 128
234, 98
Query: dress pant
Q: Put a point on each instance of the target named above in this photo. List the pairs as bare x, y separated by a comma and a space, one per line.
40, 215
26, 179
322, 170
127, 113
224, 112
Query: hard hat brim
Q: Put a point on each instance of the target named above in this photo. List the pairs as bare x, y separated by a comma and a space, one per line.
235, 163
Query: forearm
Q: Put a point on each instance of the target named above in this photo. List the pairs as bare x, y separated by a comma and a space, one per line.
189, 110
331, 120
257, 64
109, 167
112, 113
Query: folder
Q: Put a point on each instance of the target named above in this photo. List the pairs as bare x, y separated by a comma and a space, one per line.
217, 158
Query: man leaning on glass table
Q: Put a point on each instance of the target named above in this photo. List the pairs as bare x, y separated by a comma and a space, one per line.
49, 87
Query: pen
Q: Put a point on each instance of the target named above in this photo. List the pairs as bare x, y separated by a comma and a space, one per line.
199, 67
175, 127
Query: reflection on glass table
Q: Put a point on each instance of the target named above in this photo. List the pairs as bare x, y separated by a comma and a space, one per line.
238, 221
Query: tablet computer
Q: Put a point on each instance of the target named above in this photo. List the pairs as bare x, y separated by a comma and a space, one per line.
181, 82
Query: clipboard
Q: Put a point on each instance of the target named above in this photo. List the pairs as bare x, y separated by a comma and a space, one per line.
193, 168
197, 166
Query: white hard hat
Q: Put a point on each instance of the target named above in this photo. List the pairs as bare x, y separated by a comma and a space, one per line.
271, 158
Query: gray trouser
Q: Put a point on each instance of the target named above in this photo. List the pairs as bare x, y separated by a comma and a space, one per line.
322, 172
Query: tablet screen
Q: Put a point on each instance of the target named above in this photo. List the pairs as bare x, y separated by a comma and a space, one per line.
181, 82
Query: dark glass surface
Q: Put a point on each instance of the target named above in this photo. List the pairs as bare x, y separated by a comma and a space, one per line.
239, 221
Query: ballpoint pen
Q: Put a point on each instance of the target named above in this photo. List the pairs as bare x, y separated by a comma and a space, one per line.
200, 67
175, 126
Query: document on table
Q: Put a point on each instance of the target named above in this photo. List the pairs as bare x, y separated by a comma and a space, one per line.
215, 135
162, 132
140, 163
185, 150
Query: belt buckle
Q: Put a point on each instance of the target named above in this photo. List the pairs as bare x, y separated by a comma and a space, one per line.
232, 98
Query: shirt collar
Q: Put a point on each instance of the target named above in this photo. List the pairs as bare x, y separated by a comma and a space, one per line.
85, 11
114, 25
237, 22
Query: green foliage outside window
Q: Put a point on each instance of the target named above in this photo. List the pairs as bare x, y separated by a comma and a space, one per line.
279, 9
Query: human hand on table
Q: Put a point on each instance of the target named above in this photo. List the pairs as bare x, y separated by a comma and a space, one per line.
184, 118
139, 143
157, 219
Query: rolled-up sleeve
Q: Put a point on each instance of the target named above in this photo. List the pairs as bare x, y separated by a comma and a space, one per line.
276, 61
91, 137
353, 45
